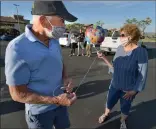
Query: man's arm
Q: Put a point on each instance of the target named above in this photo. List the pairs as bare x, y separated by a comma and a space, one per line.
22, 94
18, 74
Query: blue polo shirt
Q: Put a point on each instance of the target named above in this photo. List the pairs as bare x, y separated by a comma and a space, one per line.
28, 61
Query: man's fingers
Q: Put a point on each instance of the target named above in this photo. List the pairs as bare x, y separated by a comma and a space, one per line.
69, 89
73, 98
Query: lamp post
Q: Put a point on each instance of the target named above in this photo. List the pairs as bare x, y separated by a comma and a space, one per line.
17, 16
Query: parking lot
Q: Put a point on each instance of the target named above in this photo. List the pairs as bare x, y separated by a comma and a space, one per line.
92, 96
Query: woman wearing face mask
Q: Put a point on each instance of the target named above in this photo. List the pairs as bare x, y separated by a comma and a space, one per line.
129, 70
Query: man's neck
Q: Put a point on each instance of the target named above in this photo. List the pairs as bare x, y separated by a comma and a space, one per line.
40, 35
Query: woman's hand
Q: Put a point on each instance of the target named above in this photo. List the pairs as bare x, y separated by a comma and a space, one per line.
100, 55
129, 95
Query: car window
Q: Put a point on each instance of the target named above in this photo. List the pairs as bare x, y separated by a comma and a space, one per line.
65, 36
116, 34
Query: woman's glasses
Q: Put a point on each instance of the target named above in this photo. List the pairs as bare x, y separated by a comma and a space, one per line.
122, 35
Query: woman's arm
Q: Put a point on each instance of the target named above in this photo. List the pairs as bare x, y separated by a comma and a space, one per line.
142, 70
103, 57
107, 62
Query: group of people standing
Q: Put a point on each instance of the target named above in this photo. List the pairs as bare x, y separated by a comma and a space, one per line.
78, 41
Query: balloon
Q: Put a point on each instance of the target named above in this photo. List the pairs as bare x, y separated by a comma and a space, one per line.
95, 34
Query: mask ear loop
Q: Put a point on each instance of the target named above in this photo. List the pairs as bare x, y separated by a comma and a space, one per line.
48, 21
129, 40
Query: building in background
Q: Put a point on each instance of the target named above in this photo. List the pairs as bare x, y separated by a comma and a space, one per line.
8, 22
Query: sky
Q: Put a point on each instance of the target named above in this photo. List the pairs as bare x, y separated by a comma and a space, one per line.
112, 13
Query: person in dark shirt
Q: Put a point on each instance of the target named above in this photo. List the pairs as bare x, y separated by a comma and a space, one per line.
129, 69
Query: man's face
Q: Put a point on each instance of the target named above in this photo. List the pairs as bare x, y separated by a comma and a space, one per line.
49, 22
54, 21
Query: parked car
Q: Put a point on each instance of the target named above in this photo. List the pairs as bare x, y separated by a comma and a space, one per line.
110, 44
65, 40
7, 37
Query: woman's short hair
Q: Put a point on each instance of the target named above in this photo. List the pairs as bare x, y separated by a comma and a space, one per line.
132, 30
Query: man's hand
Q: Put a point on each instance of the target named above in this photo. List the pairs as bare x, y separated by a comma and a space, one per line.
66, 99
68, 85
129, 95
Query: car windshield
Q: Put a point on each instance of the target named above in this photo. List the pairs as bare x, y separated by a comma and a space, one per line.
65, 36
116, 34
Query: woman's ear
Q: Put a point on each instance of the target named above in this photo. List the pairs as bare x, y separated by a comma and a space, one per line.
129, 38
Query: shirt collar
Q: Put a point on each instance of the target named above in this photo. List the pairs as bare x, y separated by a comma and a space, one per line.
29, 34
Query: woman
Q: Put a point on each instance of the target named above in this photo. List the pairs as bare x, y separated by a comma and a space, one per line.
88, 47
129, 71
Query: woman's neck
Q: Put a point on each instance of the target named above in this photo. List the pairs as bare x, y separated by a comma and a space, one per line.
130, 47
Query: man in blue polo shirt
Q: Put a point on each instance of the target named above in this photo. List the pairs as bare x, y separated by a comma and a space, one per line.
35, 71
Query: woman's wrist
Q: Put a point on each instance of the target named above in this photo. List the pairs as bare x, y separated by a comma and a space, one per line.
104, 58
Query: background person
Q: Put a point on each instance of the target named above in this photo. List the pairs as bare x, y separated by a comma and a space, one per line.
130, 66
73, 40
81, 43
88, 47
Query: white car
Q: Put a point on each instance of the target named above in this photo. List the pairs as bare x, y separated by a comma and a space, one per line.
110, 44
65, 40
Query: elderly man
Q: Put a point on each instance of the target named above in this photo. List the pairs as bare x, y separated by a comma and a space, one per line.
35, 71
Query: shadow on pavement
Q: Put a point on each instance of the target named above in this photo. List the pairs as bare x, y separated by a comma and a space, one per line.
141, 117
92, 88
151, 53
10, 107
2, 64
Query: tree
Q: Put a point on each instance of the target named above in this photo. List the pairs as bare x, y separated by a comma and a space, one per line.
141, 24
76, 26
132, 21
144, 23
99, 23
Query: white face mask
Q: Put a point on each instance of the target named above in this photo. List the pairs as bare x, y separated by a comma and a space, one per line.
124, 41
56, 32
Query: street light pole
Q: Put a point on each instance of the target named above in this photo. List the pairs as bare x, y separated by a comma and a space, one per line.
18, 17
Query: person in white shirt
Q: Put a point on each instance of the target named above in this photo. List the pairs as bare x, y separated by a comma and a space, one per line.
73, 39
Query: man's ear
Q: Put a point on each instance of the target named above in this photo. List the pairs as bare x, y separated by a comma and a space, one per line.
43, 21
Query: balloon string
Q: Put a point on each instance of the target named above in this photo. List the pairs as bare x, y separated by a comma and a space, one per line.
82, 78
85, 75
86, 72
